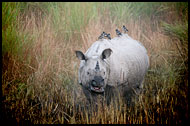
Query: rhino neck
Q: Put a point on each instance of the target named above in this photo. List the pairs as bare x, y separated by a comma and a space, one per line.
109, 94
93, 97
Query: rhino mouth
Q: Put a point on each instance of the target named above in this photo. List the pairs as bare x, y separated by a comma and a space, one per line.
97, 89
97, 84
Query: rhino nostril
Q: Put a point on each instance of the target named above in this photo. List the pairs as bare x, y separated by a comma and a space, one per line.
94, 83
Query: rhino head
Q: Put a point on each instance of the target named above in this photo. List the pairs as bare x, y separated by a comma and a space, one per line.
94, 71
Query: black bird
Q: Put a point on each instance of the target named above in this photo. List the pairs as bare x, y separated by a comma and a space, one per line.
118, 32
125, 29
102, 35
108, 36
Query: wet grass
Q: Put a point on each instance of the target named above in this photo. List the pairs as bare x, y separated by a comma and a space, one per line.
39, 68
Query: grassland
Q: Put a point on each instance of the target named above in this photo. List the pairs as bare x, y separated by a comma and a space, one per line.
39, 66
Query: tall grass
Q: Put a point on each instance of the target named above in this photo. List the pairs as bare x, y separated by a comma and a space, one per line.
40, 70
8, 27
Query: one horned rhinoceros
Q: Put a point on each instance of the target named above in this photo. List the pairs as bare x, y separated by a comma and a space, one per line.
120, 63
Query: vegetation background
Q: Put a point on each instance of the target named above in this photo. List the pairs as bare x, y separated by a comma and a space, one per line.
39, 66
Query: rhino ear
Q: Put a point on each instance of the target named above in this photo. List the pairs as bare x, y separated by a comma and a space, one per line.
80, 55
106, 53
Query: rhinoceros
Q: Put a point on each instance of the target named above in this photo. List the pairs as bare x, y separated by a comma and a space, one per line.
120, 63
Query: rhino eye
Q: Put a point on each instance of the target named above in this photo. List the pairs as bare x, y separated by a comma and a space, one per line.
88, 73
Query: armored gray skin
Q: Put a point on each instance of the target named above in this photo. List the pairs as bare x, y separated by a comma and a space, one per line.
120, 63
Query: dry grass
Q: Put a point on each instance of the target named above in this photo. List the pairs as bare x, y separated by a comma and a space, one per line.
43, 88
